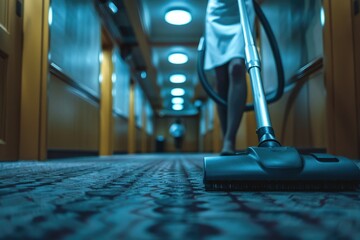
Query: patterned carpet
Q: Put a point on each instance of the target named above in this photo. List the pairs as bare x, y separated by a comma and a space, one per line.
158, 197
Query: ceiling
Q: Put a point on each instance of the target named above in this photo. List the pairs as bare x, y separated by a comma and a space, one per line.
146, 40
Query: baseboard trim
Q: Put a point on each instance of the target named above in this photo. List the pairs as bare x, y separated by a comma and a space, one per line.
64, 153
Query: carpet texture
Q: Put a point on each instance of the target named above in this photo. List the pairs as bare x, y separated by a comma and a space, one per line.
158, 197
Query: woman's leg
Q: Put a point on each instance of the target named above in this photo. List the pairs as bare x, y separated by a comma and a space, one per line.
222, 86
236, 99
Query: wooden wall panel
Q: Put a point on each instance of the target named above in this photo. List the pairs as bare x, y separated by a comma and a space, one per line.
341, 67
131, 123
138, 138
301, 124
74, 92
298, 31
120, 134
150, 144
106, 104
356, 32
3, 68
4, 14
282, 118
208, 142
343, 74
318, 120
73, 121
10, 80
299, 117
33, 123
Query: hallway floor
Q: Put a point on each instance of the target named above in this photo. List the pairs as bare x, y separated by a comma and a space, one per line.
158, 197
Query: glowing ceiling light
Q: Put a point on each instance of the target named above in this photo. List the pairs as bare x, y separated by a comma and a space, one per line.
178, 17
177, 92
113, 7
177, 100
177, 107
177, 78
178, 58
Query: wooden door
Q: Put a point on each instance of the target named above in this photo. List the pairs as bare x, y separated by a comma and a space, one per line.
10, 77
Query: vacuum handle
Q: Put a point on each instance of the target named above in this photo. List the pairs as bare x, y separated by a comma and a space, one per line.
253, 66
264, 130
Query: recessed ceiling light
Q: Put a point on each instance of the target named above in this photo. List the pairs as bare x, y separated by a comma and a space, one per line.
177, 92
177, 107
113, 7
178, 58
177, 100
178, 17
177, 78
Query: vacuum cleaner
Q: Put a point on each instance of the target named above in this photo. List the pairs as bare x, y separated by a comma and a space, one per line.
270, 166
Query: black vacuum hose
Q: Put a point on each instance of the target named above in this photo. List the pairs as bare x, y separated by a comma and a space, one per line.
276, 53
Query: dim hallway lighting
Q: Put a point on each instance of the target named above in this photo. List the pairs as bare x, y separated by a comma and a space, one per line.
177, 78
178, 58
178, 17
177, 92
177, 100
177, 107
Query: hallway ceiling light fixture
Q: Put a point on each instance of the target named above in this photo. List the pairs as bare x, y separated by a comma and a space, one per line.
178, 17
177, 107
178, 58
177, 92
113, 7
177, 78
177, 100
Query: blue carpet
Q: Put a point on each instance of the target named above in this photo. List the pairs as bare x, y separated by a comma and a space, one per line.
158, 197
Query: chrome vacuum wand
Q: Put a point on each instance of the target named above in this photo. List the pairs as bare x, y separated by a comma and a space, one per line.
264, 128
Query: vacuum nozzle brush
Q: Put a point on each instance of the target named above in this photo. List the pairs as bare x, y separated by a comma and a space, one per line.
280, 169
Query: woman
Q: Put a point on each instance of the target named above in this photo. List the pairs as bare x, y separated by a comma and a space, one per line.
225, 54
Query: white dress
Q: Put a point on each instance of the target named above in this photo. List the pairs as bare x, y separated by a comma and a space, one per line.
223, 32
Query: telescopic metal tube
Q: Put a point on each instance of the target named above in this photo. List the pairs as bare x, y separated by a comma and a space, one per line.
253, 67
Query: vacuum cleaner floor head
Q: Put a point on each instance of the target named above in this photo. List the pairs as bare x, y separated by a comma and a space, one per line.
280, 169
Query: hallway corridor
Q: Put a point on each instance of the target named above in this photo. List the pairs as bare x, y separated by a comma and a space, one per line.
158, 196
